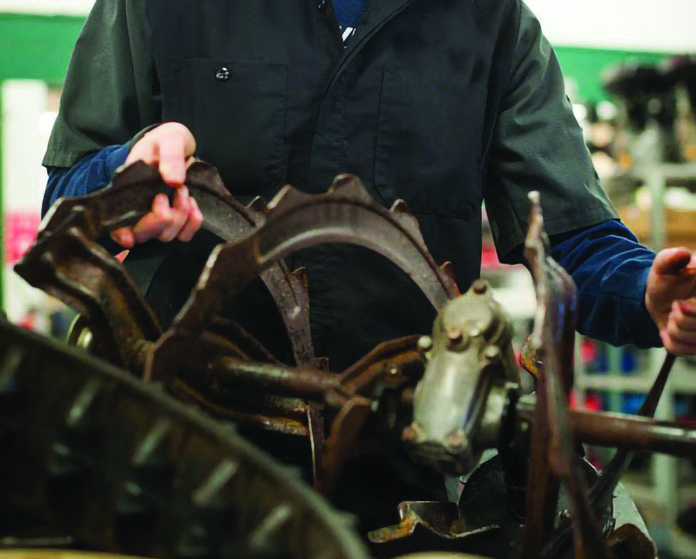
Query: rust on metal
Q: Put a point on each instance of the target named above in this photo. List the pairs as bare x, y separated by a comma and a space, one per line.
442, 519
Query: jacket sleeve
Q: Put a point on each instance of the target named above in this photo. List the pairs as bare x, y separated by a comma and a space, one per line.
610, 268
537, 144
111, 90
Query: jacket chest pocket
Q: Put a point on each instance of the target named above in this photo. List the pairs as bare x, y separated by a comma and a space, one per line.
428, 148
237, 113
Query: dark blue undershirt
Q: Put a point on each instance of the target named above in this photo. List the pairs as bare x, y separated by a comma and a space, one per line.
349, 12
606, 261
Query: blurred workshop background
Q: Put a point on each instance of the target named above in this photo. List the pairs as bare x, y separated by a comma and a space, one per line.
630, 68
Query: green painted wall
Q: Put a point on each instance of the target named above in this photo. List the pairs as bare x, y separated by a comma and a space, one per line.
33, 47
586, 66
37, 47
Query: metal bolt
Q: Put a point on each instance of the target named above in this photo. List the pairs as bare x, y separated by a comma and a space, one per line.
565, 515
455, 334
492, 353
393, 371
480, 287
425, 343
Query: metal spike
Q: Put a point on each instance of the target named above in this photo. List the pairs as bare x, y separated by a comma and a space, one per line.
152, 453
63, 465
270, 525
135, 503
81, 418
207, 495
195, 544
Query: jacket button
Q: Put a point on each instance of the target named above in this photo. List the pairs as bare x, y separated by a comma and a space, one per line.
322, 4
222, 74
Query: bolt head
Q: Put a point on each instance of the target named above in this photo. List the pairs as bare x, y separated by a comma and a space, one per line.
455, 334
480, 287
425, 343
492, 353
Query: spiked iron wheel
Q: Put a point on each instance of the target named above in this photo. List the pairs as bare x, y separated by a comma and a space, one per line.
202, 356
125, 468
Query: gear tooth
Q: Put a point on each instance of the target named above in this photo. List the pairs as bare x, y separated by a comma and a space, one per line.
288, 196
205, 176
350, 185
258, 205
135, 171
403, 216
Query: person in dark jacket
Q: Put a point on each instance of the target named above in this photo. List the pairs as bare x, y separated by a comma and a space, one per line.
444, 104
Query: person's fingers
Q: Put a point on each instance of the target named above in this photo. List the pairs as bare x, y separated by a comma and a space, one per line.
145, 150
172, 159
677, 347
671, 261
683, 316
155, 222
676, 334
124, 237
193, 223
179, 215
687, 308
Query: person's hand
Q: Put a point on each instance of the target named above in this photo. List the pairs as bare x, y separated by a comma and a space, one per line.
168, 148
671, 299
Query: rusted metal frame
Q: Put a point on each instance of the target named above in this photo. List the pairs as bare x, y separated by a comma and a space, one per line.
346, 214
269, 413
543, 486
127, 469
625, 431
72, 268
345, 433
551, 331
271, 378
295, 221
390, 358
603, 489
130, 196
